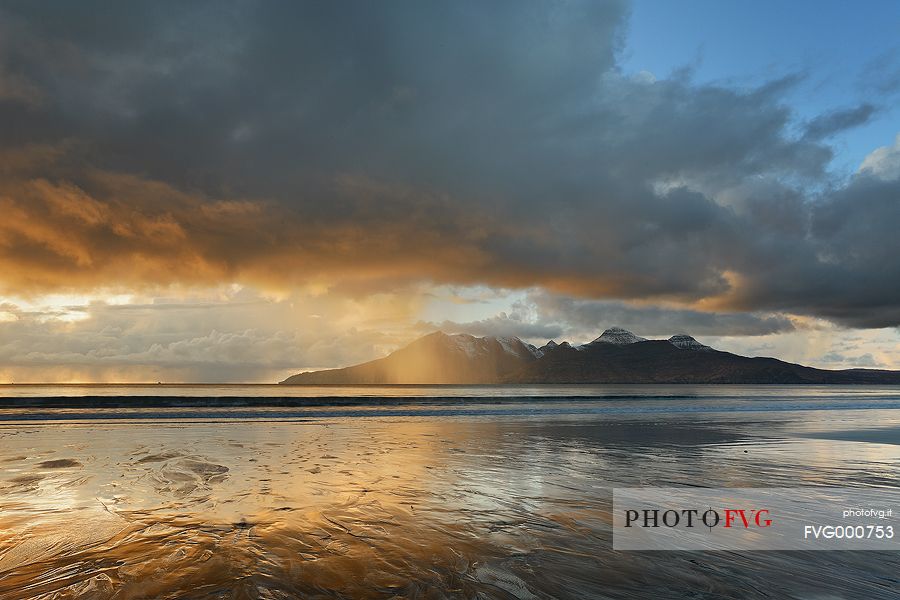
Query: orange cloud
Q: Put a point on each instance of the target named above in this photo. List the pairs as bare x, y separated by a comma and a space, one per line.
121, 230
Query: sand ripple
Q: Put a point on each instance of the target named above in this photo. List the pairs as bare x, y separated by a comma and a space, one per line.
402, 508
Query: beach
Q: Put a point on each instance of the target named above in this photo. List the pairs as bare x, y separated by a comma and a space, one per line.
478, 497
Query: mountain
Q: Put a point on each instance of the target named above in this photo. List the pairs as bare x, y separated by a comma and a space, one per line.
435, 358
618, 336
617, 356
686, 342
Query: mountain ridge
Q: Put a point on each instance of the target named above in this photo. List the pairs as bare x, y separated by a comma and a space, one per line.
616, 356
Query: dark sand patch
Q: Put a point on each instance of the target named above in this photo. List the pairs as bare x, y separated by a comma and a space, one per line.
161, 457
25, 482
62, 463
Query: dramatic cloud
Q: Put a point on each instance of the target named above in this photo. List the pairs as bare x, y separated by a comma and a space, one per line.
112, 229
541, 316
585, 315
368, 148
839, 120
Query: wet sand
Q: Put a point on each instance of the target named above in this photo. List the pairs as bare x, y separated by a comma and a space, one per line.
414, 504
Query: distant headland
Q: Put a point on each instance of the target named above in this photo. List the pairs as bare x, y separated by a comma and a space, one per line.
617, 356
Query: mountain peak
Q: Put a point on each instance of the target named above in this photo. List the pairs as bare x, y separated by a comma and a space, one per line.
618, 336
539, 352
686, 342
472, 346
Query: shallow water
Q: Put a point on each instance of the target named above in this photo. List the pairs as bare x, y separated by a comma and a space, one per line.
427, 498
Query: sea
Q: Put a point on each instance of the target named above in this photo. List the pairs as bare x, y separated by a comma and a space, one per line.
275, 492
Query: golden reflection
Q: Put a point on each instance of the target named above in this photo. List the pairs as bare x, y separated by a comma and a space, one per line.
378, 507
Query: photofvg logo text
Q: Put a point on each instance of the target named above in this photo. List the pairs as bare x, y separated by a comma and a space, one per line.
754, 519
692, 517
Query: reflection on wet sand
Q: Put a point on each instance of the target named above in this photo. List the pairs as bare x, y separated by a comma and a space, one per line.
423, 507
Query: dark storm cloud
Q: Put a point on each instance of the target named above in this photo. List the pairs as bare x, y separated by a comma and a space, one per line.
839, 120
374, 143
585, 315
544, 316
847, 268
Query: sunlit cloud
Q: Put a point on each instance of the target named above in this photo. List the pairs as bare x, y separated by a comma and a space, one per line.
237, 187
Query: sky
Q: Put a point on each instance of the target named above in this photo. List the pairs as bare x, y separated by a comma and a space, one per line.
233, 191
